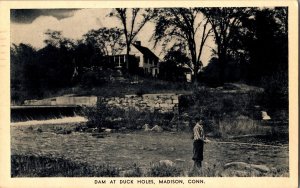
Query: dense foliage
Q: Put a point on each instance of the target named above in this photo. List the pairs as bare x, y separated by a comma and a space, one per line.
105, 116
251, 46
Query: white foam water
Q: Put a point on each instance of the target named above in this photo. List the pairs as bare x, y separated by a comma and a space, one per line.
65, 120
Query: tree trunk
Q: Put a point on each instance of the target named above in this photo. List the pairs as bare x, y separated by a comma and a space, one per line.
127, 56
196, 69
222, 63
192, 48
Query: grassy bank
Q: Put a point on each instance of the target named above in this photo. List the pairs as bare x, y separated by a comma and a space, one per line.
132, 85
41, 166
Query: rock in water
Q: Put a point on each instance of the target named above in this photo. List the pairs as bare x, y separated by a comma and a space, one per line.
157, 128
146, 127
238, 165
261, 168
166, 162
108, 130
243, 165
265, 116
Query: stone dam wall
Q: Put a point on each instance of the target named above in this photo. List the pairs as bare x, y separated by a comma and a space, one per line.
66, 100
163, 102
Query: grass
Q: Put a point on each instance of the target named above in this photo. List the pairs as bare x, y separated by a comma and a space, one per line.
41, 166
132, 85
135, 171
140, 86
163, 170
237, 127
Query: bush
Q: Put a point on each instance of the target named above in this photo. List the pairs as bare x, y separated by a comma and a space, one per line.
223, 113
107, 116
276, 91
93, 78
212, 171
213, 104
237, 127
42, 166
135, 172
164, 171
96, 115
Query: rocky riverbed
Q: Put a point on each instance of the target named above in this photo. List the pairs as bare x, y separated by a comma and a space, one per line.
124, 149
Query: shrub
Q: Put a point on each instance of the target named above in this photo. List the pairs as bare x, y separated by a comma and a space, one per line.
102, 115
164, 171
42, 166
221, 111
92, 78
238, 127
213, 104
107, 116
134, 172
212, 171
96, 115
276, 90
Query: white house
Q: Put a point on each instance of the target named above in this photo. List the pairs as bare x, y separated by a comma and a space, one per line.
146, 59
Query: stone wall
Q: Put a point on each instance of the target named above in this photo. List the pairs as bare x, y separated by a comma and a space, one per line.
162, 102
166, 102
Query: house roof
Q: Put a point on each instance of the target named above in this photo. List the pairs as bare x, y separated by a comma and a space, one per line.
145, 51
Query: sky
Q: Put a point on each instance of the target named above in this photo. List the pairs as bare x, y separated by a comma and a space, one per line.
29, 25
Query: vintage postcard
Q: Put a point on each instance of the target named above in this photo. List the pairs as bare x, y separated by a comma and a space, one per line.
149, 93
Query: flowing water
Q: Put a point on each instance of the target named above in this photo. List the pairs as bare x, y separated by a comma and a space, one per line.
124, 149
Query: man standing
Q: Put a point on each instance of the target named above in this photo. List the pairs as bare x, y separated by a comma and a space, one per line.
198, 138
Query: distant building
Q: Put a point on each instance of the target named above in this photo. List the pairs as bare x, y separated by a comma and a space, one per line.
146, 59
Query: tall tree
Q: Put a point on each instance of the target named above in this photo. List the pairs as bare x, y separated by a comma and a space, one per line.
268, 50
180, 58
22, 73
106, 40
185, 28
172, 69
133, 20
225, 23
56, 39
266, 41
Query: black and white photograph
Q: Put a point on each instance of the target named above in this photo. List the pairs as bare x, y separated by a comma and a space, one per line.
150, 92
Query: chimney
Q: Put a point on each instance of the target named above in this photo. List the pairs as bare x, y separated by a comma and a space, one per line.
138, 43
